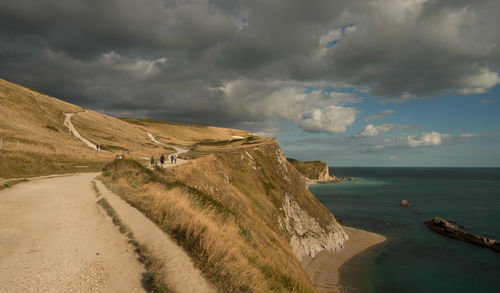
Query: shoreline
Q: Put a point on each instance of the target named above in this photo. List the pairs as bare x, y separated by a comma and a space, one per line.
310, 182
324, 269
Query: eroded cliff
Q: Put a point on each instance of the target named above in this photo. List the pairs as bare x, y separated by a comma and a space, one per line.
313, 170
255, 206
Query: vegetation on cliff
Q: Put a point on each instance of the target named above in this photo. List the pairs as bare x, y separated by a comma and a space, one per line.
242, 212
240, 209
313, 170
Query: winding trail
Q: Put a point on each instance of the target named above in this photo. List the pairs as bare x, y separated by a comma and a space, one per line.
179, 270
72, 130
55, 238
177, 149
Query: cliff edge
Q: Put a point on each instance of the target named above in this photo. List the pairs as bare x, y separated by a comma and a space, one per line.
240, 209
313, 171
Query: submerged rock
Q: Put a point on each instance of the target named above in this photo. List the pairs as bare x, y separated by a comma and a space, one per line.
452, 230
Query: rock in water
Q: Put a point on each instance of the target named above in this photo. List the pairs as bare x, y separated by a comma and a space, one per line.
452, 230
404, 203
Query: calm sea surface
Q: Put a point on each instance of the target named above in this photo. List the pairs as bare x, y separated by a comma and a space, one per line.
416, 259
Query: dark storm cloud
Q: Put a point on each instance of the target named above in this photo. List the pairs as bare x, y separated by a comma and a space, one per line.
194, 61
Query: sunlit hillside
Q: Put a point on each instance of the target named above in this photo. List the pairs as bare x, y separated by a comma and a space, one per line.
34, 140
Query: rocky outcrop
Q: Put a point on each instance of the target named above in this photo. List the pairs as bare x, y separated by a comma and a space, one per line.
452, 230
324, 174
315, 171
308, 236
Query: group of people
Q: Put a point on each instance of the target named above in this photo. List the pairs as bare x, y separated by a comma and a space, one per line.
99, 147
173, 160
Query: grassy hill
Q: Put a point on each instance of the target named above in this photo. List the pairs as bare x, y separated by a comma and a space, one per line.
35, 142
33, 138
238, 207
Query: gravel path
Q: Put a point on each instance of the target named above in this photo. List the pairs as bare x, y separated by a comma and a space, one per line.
177, 149
55, 238
179, 269
72, 129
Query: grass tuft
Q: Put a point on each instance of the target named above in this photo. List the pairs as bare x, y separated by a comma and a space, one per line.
156, 282
52, 128
10, 183
96, 189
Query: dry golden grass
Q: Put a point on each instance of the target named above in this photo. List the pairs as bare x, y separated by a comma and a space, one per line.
225, 216
117, 135
310, 169
186, 134
222, 207
33, 140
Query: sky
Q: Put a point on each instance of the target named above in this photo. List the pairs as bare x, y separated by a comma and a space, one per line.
353, 83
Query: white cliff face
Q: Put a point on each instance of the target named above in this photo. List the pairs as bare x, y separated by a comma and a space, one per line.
283, 167
307, 236
324, 175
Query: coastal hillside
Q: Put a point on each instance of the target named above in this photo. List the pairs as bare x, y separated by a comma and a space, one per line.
312, 170
34, 139
240, 209
236, 205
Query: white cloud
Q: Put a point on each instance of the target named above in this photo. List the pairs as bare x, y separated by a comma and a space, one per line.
349, 29
393, 158
331, 36
379, 115
332, 119
486, 101
268, 132
468, 135
479, 82
313, 110
140, 66
372, 130
426, 139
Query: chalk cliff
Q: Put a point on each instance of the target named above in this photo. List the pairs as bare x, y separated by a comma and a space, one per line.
246, 186
313, 170
305, 223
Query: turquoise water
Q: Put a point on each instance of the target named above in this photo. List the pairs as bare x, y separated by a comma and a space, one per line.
416, 259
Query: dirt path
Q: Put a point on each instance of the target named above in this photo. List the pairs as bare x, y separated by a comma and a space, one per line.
178, 150
179, 269
72, 129
55, 238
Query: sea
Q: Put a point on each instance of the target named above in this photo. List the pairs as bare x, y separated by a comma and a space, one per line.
415, 258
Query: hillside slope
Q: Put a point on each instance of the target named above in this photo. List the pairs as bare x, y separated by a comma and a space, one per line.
34, 140
238, 207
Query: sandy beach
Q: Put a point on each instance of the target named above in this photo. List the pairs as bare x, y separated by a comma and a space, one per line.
324, 269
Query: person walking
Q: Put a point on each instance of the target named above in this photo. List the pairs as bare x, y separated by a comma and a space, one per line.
97, 146
171, 159
162, 159
152, 161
